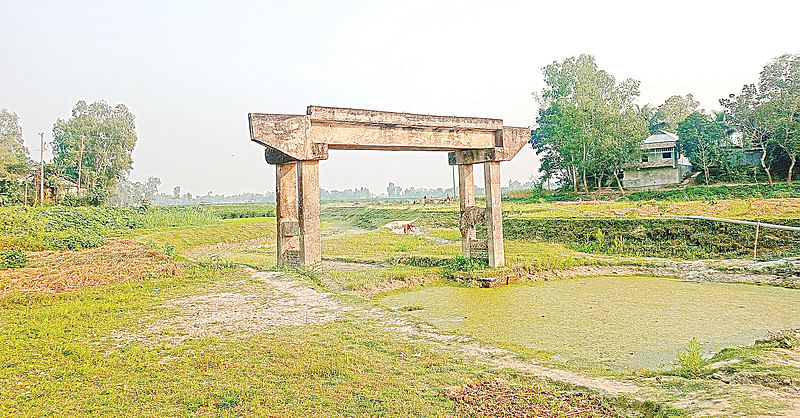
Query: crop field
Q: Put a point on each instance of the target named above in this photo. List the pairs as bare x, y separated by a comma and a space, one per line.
182, 311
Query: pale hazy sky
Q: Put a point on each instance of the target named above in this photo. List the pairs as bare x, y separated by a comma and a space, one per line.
192, 70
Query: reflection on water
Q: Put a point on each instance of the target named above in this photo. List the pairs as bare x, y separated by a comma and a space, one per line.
617, 321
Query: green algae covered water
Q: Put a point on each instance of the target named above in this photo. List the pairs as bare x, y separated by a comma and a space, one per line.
615, 322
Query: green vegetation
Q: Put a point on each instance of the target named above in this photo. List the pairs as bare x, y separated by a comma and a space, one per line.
631, 321
14, 161
705, 193
230, 231
589, 125
704, 142
61, 227
675, 238
89, 353
691, 362
12, 258
373, 217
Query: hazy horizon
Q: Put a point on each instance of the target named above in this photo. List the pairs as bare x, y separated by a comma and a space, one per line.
192, 71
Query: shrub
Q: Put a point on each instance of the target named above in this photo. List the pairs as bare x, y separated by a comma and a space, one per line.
462, 264
12, 258
691, 363
719, 192
675, 238
73, 228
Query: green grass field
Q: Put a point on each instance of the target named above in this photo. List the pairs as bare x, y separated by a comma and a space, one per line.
211, 339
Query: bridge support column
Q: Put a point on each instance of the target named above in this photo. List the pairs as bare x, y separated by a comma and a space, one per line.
494, 214
309, 212
466, 194
288, 228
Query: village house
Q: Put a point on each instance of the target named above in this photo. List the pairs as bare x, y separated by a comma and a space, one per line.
660, 165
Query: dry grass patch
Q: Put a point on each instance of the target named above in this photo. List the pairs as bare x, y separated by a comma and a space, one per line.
497, 398
62, 271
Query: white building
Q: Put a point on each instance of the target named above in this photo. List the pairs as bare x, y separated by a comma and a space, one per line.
660, 165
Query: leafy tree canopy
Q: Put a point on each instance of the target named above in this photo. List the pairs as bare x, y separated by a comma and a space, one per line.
674, 110
703, 141
588, 124
14, 161
107, 135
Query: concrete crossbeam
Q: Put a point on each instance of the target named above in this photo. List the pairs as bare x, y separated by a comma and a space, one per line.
308, 137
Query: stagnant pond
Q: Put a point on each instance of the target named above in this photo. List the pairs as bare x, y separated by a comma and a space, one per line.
616, 322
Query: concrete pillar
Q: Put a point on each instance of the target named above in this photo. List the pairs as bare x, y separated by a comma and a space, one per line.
308, 203
466, 191
494, 214
286, 212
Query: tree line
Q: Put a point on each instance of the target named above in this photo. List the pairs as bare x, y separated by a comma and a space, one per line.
91, 155
590, 127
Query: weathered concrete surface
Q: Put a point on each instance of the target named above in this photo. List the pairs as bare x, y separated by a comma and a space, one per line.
308, 137
377, 117
509, 141
466, 191
494, 214
309, 208
286, 211
296, 143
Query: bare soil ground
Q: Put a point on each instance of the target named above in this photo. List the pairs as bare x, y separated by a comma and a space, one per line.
270, 301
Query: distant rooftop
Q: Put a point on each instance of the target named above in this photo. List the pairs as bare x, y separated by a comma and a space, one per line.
661, 136
660, 139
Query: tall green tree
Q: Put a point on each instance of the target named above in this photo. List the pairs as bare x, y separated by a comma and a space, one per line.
779, 84
745, 113
14, 161
93, 147
768, 113
703, 141
673, 111
587, 122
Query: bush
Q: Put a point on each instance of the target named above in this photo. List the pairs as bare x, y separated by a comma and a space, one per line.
691, 363
719, 192
674, 238
74, 228
12, 258
463, 264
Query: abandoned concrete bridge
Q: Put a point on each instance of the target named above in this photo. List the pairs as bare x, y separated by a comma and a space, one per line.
296, 143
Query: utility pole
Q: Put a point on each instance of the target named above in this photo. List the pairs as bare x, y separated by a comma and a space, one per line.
41, 169
80, 166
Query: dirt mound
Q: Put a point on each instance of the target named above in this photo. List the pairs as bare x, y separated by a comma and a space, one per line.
62, 271
496, 398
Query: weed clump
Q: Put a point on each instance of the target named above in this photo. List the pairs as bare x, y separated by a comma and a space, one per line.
691, 362
12, 258
497, 398
463, 264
